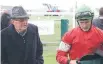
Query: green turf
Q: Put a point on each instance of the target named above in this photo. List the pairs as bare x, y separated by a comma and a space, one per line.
50, 54
56, 37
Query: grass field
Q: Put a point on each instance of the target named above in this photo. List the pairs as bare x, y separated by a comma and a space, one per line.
50, 54
56, 37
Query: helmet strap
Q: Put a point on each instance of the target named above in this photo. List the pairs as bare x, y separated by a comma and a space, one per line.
90, 25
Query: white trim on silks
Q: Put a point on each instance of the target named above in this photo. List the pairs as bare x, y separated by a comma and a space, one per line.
101, 17
99, 52
64, 47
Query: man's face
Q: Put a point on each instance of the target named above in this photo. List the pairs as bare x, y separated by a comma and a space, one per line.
85, 24
20, 24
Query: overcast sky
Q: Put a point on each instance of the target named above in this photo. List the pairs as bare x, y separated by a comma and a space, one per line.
37, 4
63, 4
91, 3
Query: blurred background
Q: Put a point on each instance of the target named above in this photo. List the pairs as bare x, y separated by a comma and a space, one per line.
53, 18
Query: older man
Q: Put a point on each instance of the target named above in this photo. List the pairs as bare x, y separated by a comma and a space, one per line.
20, 42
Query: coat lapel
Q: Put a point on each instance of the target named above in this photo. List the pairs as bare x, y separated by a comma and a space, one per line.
30, 36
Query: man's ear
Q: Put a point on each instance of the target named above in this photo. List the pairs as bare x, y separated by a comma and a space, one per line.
12, 21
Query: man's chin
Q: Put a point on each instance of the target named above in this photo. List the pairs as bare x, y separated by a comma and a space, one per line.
85, 30
23, 29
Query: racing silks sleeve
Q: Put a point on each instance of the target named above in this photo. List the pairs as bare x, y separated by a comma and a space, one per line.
64, 47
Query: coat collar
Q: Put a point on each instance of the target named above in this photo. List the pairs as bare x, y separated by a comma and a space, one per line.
30, 37
13, 31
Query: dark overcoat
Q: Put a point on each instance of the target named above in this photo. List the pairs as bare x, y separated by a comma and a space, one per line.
17, 49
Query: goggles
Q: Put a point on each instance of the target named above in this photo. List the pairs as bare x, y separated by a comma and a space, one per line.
84, 15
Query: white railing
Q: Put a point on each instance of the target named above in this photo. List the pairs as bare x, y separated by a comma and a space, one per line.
50, 13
